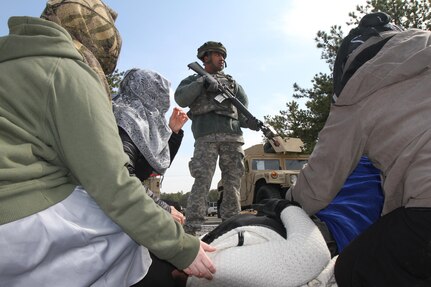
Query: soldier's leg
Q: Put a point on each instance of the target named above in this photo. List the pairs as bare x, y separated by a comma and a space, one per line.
202, 167
231, 164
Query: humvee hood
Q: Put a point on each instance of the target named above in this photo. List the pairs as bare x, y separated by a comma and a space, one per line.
55, 41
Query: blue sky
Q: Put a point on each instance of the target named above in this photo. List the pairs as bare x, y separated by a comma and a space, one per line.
270, 47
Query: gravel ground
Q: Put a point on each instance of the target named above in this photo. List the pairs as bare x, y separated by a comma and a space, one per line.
205, 229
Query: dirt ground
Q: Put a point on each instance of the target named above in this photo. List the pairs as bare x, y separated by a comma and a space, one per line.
211, 222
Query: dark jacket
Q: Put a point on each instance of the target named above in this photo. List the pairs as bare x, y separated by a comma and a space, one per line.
138, 166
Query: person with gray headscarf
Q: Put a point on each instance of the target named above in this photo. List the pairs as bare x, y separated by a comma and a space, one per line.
148, 139
151, 143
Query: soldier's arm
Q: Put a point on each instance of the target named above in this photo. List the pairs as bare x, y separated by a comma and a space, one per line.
188, 90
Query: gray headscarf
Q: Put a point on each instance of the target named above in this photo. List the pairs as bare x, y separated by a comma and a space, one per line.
140, 108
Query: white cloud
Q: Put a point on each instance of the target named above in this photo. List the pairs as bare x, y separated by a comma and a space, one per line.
303, 19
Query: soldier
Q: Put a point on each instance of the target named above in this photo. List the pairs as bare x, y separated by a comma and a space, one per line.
217, 131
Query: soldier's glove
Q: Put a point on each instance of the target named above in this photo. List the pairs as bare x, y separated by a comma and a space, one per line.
211, 84
273, 207
253, 124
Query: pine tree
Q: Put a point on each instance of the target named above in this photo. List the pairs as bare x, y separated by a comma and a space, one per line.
114, 80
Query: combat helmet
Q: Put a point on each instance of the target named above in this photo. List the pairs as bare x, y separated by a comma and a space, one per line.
211, 46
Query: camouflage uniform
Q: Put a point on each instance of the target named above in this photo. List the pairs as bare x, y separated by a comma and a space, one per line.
202, 167
217, 131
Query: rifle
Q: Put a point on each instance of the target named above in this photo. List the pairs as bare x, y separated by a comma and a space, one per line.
226, 93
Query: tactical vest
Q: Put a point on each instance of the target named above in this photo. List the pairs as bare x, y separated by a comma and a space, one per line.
206, 102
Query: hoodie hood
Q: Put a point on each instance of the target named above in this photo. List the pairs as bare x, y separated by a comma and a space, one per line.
51, 40
405, 55
91, 24
371, 28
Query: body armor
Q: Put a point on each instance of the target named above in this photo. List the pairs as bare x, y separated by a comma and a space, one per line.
206, 102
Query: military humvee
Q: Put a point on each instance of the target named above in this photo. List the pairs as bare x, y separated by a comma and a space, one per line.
269, 171
153, 183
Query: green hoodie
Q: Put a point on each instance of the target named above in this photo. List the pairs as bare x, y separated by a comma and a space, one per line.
57, 131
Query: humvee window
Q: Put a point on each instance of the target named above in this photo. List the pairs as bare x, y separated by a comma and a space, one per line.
265, 164
294, 164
